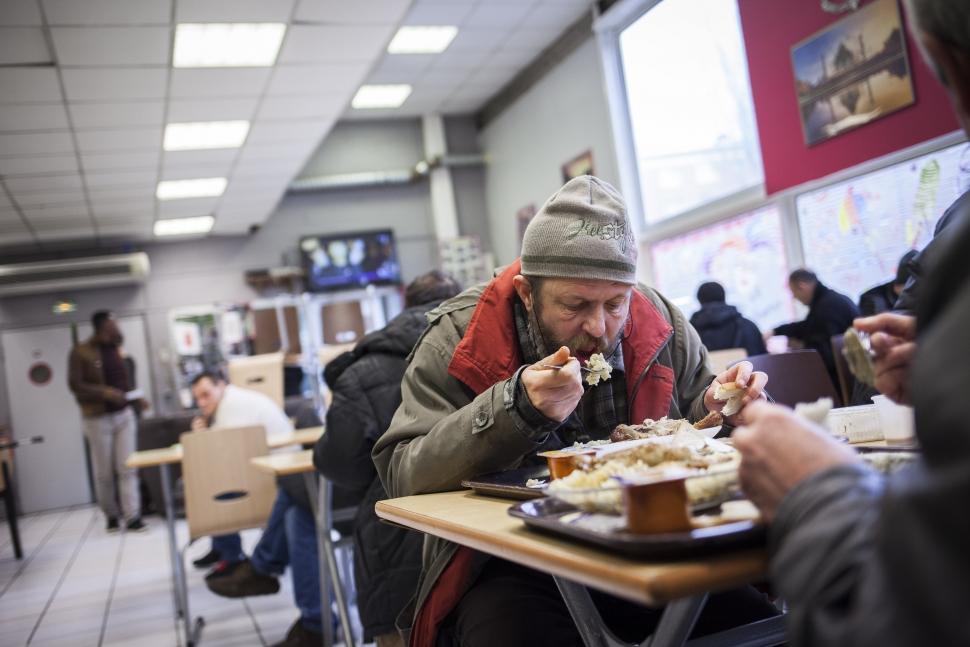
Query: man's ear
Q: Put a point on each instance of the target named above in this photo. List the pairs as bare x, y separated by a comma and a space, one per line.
524, 289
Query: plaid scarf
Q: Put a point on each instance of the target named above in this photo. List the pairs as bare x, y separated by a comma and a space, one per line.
601, 408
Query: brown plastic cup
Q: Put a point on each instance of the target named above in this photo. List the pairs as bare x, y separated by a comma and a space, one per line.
562, 463
656, 506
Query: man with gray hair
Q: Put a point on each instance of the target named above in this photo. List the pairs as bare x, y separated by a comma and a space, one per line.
862, 559
479, 397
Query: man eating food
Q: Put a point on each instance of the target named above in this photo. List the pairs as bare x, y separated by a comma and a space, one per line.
478, 397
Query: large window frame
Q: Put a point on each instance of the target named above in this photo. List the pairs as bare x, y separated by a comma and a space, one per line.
607, 28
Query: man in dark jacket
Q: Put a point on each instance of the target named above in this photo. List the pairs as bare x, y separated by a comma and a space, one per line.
366, 386
721, 326
861, 560
829, 314
882, 298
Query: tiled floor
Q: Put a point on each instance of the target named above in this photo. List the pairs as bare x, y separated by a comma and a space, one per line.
78, 586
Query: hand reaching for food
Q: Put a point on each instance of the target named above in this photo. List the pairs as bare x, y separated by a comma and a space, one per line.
733, 389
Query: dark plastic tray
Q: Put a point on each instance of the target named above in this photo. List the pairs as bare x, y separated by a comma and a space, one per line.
606, 531
509, 484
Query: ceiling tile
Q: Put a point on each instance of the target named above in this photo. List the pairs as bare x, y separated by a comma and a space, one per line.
400, 68
35, 143
531, 39
117, 115
75, 197
450, 62
181, 110
97, 141
102, 197
278, 152
222, 157
491, 14
55, 212
33, 116
131, 220
515, 58
269, 133
120, 161
333, 79
302, 107
130, 208
24, 85
108, 12
38, 184
20, 13
387, 12
23, 46
334, 43
35, 165
557, 14
475, 40
229, 82
189, 207
110, 84
426, 12
235, 11
146, 179
193, 172
5, 202
118, 46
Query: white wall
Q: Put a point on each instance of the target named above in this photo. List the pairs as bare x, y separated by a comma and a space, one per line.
205, 271
560, 117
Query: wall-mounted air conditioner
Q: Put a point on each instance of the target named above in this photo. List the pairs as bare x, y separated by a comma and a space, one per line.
73, 274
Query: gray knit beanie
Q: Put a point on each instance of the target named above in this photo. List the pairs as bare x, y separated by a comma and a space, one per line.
581, 232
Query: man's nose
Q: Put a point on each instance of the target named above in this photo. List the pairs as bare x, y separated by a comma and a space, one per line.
595, 324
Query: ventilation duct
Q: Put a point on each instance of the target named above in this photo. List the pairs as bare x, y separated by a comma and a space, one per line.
73, 274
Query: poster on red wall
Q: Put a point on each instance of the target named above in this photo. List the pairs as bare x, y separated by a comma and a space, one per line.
852, 72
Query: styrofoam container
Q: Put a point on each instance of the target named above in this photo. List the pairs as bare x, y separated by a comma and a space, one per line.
896, 420
858, 424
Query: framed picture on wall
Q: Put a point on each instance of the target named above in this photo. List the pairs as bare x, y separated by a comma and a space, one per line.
852, 72
579, 165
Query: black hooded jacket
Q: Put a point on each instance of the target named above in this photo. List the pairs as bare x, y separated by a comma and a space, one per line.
721, 326
366, 386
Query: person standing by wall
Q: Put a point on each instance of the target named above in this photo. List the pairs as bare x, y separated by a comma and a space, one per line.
99, 381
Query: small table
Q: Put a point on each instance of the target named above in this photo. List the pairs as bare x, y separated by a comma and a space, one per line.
164, 457
483, 523
319, 493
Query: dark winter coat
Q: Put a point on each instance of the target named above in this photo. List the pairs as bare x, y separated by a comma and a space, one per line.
721, 326
829, 314
366, 386
864, 561
877, 300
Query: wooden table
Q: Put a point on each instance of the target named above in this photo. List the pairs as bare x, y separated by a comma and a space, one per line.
162, 459
483, 523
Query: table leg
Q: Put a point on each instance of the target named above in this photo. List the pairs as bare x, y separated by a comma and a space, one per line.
676, 621
173, 552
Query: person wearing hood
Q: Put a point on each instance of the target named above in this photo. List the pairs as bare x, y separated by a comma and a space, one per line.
366, 386
721, 326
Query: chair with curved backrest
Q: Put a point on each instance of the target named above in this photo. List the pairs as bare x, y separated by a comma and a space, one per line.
263, 373
721, 360
796, 376
847, 382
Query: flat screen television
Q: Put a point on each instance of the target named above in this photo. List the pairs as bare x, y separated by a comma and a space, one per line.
351, 260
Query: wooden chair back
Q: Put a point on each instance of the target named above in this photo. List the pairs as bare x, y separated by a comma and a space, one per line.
6, 456
796, 376
263, 373
846, 379
721, 360
224, 493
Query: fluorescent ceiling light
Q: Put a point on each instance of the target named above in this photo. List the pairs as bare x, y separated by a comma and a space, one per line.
227, 44
381, 96
205, 134
200, 188
422, 40
184, 226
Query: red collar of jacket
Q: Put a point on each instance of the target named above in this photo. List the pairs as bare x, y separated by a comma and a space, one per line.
489, 351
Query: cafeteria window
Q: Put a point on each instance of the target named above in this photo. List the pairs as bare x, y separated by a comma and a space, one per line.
690, 108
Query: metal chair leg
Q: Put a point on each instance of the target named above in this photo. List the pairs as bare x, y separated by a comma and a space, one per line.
9, 496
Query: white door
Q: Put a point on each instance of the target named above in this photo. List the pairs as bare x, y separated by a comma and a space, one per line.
52, 474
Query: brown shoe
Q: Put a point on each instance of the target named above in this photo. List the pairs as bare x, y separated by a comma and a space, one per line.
300, 636
244, 581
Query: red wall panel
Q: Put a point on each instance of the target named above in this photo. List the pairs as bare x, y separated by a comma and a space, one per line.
771, 27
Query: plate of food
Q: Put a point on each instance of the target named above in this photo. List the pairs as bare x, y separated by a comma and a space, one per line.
735, 526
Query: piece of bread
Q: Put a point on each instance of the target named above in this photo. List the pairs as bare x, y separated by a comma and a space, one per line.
713, 419
731, 395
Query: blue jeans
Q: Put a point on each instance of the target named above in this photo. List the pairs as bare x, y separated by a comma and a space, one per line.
229, 547
290, 538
